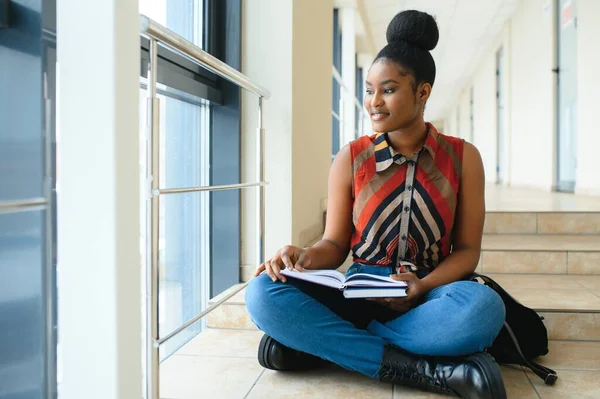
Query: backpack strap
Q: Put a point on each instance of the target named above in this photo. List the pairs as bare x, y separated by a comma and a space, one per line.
548, 375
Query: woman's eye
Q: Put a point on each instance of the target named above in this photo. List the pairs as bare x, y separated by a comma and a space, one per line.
369, 91
388, 91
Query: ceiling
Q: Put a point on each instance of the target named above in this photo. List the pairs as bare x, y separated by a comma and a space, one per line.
467, 29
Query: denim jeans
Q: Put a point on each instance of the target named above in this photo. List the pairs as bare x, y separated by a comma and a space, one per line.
457, 319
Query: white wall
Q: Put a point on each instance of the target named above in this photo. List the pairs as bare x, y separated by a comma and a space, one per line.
528, 47
588, 161
287, 47
532, 96
484, 113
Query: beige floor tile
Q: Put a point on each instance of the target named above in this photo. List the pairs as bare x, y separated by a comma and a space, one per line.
570, 384
572, 326
556, 299
511, 281
402, 392
230, 316
572, 355
515, 242
216, 342
516, 383
191, 377
510, 223
324, 383
583, 262
569, 223
524, 262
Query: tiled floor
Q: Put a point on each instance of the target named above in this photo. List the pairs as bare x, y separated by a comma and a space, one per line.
222, 364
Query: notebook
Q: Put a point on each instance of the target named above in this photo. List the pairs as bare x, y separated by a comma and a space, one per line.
359, 285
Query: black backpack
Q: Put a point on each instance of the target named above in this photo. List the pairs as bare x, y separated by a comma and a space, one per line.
523, 336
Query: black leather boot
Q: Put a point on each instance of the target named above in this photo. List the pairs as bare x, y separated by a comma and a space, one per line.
474, 376
275, 356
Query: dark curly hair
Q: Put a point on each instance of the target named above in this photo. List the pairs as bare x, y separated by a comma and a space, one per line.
411, 35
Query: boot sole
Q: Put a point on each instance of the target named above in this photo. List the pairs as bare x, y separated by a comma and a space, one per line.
263, 352
495, 380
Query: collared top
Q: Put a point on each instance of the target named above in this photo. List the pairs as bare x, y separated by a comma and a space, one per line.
404, 206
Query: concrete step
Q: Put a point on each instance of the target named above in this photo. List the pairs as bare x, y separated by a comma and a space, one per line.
551, 254
569, 304
222, 363
510, 222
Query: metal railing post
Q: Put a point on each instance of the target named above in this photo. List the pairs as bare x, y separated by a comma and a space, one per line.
152, 210
260, 198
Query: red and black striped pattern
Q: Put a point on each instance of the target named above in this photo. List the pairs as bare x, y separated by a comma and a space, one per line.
382, 192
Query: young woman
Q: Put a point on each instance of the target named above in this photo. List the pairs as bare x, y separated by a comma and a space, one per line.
406, 196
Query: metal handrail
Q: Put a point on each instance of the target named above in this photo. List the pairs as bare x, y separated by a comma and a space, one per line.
154, 30
208, 188
200, 315
22, 205
160, 34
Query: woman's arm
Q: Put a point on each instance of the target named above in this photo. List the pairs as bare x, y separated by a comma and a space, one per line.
468, 224
332, 250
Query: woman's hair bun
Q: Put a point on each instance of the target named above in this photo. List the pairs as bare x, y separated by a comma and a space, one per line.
416, 28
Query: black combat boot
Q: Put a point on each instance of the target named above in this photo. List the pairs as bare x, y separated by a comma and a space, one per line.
475, 376
275, 356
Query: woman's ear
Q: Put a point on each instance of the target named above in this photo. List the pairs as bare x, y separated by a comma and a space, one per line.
424, 91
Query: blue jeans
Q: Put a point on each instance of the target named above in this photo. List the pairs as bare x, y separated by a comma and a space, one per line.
457, 319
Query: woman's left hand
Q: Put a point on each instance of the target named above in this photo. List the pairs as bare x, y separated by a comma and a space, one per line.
414, 294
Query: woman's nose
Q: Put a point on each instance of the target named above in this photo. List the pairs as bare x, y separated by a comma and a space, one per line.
376, 100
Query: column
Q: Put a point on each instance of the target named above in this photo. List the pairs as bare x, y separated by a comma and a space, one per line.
99, 262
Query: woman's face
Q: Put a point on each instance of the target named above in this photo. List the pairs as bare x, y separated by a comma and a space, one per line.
391, 99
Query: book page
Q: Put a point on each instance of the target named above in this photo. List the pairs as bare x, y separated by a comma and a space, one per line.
329, 278
372, 280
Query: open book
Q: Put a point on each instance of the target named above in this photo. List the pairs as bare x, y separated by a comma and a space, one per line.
359, 285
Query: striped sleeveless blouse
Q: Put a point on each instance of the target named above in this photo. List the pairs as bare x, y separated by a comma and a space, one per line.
404, 207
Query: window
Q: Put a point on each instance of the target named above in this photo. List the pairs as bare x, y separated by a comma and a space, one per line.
360, 95
336, 98
472, 114
184, 17
199, 116
458, 132
184, 223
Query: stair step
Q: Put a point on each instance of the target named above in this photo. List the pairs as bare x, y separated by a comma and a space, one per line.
569, 304
555, 254
576, 223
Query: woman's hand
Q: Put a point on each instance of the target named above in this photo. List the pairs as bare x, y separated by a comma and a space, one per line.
289, 256
414, 294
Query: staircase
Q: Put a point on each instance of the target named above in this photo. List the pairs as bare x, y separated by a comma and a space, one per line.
548, 260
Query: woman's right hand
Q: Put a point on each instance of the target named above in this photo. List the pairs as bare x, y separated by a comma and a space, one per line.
290, 257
